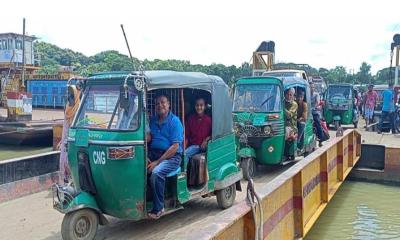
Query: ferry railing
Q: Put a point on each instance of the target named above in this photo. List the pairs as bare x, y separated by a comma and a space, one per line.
293, 201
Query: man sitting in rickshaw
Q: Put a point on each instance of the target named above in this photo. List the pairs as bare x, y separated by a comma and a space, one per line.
165, 151
198, 130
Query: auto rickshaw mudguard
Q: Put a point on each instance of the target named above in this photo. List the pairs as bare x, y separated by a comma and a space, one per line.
232, 178
247, 152
226, 170
85, 200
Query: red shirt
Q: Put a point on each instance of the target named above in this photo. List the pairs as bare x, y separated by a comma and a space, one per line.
370, 99
198, 128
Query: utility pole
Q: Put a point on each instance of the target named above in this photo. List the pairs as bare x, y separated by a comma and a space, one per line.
23, 55
396, 69
395, 50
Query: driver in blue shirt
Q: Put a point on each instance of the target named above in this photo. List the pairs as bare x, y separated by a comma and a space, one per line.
165, 151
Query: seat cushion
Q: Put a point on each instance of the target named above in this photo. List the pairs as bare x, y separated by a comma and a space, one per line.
176, 172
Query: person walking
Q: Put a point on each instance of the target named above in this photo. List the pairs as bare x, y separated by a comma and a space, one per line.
316, 113
388, 108
370, 98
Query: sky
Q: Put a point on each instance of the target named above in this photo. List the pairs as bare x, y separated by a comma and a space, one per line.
325, 33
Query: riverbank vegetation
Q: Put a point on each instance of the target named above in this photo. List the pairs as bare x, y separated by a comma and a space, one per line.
52, 56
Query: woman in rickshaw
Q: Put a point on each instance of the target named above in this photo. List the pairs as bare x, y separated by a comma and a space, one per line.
291, 120
302, 114
198, 130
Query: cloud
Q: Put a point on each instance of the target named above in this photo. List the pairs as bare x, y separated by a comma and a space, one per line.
393, 27
318, 41
320, 33
377, 57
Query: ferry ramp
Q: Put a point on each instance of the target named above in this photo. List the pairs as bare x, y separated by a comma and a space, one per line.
292, 198
33, 216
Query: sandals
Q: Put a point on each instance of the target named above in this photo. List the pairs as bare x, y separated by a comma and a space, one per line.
157, 215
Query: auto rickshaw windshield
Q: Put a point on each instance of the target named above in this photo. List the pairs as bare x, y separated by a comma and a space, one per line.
102, 108
339, 92
257, 98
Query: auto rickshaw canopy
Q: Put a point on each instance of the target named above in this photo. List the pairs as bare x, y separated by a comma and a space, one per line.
293, 82
163, 79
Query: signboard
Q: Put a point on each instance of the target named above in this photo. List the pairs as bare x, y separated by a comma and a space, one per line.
19, 103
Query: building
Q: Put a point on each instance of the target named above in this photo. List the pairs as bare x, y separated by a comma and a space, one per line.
47, 90
11, 49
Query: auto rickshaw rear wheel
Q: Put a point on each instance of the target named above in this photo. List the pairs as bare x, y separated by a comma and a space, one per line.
226, 197
81, 224
249, 168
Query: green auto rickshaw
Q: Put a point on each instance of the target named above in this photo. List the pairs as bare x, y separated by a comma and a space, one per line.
107, 149
339, 107
259, 122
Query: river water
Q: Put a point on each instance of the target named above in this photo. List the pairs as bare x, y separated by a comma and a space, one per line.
361, 211
13, 151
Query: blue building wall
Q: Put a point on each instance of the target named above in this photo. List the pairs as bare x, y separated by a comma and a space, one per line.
48, 93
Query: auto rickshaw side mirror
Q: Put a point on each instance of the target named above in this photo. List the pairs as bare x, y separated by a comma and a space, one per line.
124, 97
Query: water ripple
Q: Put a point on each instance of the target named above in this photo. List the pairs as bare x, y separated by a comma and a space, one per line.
360, 211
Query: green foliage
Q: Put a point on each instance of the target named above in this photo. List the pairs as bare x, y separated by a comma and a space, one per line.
364, 75
52, 57
384, 75
339, 74
336, 75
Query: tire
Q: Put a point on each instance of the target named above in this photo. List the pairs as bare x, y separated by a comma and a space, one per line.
226, 197
249, 168
375, 127
337, 125
81, 224
397, 122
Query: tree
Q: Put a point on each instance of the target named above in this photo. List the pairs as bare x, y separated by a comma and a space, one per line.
52, 57
337, 75
364, 75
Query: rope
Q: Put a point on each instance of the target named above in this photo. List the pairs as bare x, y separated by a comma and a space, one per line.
251, 197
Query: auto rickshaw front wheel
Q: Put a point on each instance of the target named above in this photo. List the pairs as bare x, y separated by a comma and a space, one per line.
249, 168
81, 224
226, 197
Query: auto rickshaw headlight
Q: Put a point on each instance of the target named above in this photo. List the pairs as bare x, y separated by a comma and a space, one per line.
267, 130
270, 149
